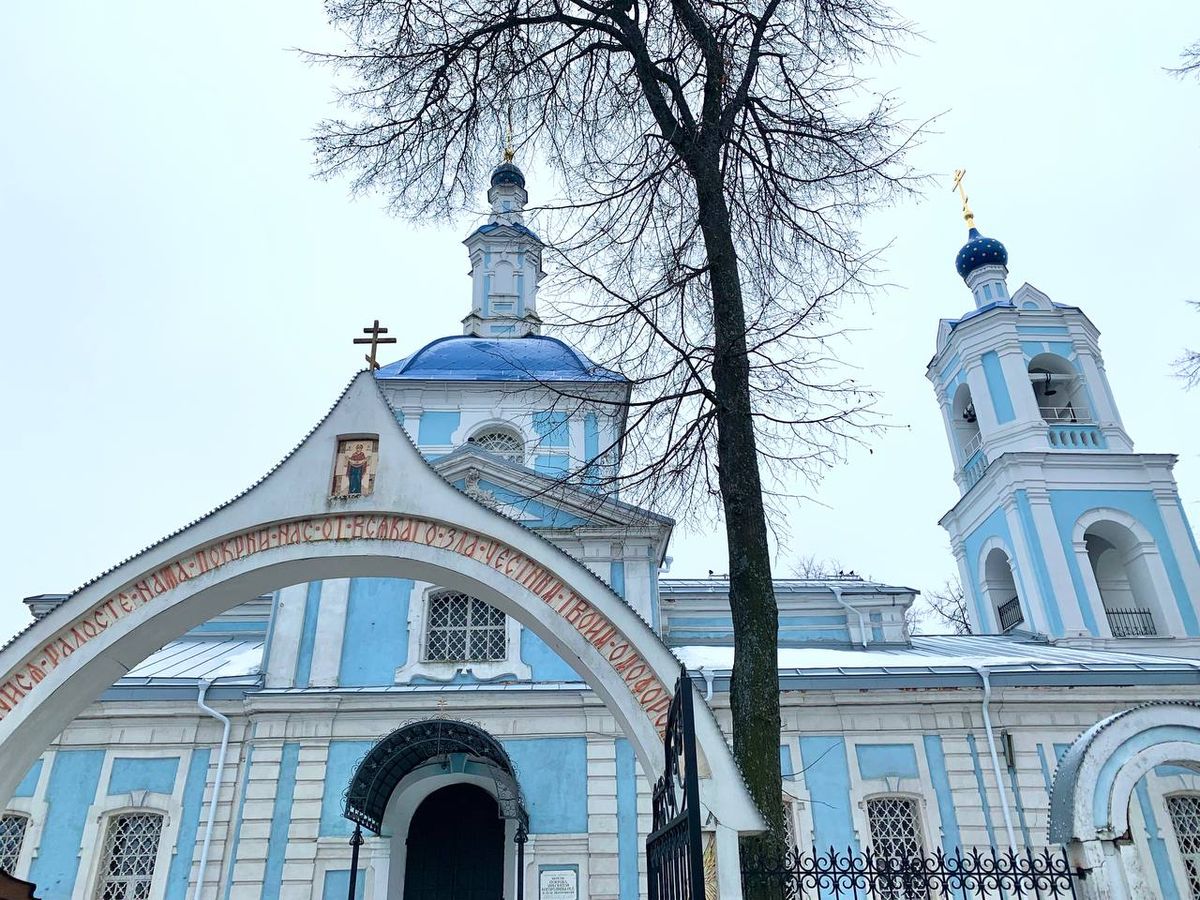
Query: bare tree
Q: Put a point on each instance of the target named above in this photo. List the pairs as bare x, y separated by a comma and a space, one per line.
1189, 61
949, 603
715, 159
1187, 366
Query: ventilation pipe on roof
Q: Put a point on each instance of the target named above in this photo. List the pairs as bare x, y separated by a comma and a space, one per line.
984, 676
216, 792
862, 620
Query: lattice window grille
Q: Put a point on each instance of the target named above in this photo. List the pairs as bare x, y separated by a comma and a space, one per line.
501, 443
12, 836
895, 825
461, 628
130, 849
1185, 817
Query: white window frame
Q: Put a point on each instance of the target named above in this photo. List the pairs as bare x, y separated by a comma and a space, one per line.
1174, 849
438, 670
504, 428
96, 832
920, 810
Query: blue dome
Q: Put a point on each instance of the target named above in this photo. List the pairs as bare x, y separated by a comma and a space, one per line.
467, 358
507, 173
979, 251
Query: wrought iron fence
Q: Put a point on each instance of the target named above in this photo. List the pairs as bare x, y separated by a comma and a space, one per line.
1131, 622
971, 875
1010, 614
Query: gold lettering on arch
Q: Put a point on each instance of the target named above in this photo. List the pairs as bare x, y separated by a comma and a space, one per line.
651, 694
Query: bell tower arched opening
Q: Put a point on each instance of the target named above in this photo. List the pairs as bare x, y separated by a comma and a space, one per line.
1001, 590
967, 437
1120, 563
1058, 390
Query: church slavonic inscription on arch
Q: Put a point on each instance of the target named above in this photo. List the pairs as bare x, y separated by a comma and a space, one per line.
354, 467
614, 647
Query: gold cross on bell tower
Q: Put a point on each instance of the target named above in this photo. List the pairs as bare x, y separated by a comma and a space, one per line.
374, 340
968, 216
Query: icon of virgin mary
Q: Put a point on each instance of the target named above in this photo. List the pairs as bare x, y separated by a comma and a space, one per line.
356, 469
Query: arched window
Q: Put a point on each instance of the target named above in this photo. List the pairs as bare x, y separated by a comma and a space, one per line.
1058, 390
1120, 565
12, 836
1001, 589
965, 424
128, 857
1184, 810
500, 441
460, 628
895, 825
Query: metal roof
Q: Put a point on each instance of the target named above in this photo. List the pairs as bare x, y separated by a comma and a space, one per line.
200, 660
533, 358
849, 584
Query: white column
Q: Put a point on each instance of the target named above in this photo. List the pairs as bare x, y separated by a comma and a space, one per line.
1028, 587
1012, 363
1181, 543
981, 397
729, 874
1062, 586
331, 626
286, 625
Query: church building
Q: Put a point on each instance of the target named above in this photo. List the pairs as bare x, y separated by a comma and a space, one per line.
428, 624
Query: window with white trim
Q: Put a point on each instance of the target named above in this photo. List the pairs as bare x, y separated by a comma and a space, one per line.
12, 836
461, 628
895, 824
500, 441
127, 862
1185, 818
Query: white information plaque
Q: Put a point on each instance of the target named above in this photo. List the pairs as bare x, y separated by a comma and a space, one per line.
558, 884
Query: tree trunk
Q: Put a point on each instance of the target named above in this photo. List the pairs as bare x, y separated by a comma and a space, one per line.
754, 686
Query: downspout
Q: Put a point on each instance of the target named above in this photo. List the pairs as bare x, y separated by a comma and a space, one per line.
212, 806
862, 621
984, 676
708, 683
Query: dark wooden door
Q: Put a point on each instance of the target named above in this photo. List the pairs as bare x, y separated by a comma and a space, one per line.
455, 847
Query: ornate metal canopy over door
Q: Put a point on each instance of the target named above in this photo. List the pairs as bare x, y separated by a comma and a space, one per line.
674, 853
414, 745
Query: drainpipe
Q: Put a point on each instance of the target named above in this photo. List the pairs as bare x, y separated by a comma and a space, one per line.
984, 676
862, 620
708, 683
212, 806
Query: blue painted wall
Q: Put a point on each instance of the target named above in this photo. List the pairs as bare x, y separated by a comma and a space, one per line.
437, 427
187, 843
886, 760
552, 428
138, 774
74, 779
337, 884
553, 774
1158, 847
375, 641
28, 785
627, 832
827, 775
935, 758
308, 634
540, 515
544, 664
281, 818
237, 822
344, 757
997, 387
616, 577
981, 786
550, 464
1050, 602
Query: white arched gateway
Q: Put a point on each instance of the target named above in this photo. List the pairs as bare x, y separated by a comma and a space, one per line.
354, 499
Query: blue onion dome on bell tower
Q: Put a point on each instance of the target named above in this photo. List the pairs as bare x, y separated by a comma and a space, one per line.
507, 173
979, 251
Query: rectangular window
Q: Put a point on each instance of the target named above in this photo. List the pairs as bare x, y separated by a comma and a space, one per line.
130, 850
1185, 817
460, 628
12, 836
895, 827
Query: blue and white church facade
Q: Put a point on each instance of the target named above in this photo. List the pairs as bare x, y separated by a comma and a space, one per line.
427, 619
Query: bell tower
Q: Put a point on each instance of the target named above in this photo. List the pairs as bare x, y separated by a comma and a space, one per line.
1061, 529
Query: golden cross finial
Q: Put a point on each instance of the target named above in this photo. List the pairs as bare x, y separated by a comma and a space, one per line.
374, 340
968, 216
509, 152
441, 708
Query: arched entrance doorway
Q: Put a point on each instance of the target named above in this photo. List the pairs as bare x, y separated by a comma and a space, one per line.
1094, 785
455, 847
445, 795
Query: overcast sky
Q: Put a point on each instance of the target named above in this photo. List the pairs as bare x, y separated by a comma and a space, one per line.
179, 293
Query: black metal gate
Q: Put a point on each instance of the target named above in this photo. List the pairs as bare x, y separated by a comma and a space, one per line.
674, 853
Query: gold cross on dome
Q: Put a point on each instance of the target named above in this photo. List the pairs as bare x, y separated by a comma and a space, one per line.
374, 340
962, 192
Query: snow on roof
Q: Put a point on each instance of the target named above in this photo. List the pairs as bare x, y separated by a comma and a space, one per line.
201, 660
